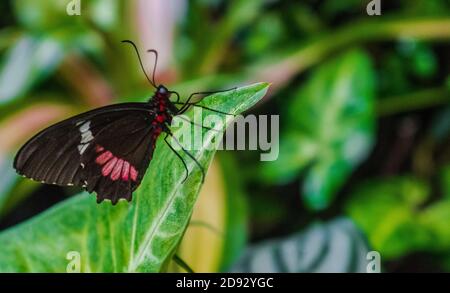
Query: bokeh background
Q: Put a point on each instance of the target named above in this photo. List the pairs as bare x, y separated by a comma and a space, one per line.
364, 105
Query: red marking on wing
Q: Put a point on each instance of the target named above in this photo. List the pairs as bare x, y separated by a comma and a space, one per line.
115, 174
106, 170
125, 171
104, 157
115, 167
133, 173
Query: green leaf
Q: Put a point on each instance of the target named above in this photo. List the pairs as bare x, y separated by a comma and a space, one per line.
13, 189
140, 236
333, 247
8, 180
236, 222
41, 15
47, 15
214, 43
74, 33
393, 216
204, 240
445, 181
330, 128
292, 157
217, 231
420, 58
384, 209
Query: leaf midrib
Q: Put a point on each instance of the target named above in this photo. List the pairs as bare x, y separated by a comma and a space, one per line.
142, 251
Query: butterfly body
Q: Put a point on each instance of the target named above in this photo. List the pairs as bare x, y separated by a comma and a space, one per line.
106, 150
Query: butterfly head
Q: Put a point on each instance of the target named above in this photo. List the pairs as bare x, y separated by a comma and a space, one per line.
162, 90
161, 99
162, 93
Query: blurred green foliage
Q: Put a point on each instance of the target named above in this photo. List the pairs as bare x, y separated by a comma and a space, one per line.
28, 61
364, 104
339, 98
399, 219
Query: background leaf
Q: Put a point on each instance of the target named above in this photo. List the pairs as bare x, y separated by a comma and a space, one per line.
395, 218
217, 232
330, 128
333, 247
203, 242
29, 61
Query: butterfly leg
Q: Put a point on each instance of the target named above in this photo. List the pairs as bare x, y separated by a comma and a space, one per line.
199, 125
188, 101
178, 155
183, 109
187, 153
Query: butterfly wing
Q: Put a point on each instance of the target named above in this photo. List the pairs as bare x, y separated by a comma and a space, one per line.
106, 150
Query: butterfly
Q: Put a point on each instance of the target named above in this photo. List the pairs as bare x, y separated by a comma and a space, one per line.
108, 149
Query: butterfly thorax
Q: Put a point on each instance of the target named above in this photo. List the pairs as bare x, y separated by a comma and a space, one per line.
164, 108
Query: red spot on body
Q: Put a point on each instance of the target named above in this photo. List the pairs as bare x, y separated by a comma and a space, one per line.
106, 170
103, 158
160, 118
125, 171
115, 174
133, 173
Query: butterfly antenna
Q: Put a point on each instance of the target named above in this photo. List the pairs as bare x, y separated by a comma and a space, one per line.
156, 62
151, 81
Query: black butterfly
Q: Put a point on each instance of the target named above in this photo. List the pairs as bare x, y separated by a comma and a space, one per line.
106, 150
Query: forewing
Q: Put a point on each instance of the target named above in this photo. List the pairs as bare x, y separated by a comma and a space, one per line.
116, 163
66, 153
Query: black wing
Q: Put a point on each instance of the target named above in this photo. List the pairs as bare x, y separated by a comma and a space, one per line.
106, 150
